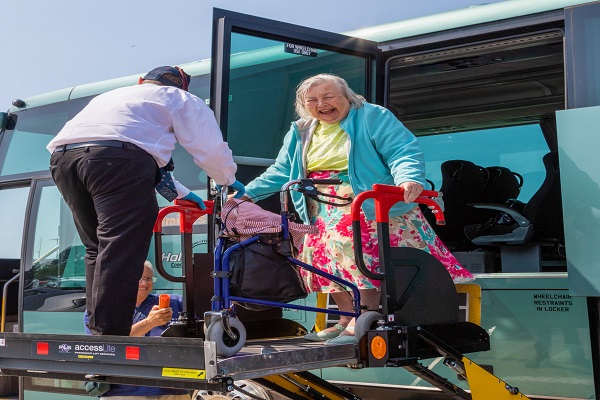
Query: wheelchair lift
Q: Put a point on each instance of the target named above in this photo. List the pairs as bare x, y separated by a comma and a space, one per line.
416, 324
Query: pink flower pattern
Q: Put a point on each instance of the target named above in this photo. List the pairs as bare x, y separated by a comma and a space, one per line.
332, 249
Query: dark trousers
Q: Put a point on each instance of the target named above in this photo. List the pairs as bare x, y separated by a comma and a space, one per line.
111, 193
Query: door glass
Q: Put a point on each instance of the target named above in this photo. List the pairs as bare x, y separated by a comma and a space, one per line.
263, 80
54, 268
12, 204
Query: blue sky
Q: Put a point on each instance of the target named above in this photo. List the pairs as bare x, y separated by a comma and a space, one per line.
50, 45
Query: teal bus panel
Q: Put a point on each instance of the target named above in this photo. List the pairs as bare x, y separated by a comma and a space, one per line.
539, 340
69, 323
578, 142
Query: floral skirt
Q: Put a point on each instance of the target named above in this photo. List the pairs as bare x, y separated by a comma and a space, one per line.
332, 250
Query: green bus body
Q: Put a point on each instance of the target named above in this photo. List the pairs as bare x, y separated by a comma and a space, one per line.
498, 85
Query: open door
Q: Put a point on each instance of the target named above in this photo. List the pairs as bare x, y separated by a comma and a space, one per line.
257, 64
578, 142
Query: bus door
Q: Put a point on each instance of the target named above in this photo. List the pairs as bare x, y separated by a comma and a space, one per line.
257, 64
53, 283
578, 143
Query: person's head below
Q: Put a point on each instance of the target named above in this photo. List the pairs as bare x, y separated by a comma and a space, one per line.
326, 97
146, 283
167, 76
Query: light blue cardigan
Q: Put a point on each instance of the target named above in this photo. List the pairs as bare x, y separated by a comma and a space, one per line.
380, 150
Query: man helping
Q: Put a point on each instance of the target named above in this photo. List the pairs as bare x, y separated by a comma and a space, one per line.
106, 163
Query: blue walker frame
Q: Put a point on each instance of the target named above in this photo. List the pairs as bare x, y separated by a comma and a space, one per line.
223, 299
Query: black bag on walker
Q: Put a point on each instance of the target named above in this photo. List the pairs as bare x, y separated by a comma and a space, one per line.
261, 271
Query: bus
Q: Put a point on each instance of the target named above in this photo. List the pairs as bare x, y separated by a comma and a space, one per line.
509, 88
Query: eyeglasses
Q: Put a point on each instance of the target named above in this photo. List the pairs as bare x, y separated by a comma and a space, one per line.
149, 279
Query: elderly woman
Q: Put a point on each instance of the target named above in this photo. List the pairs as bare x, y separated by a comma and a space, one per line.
340, 135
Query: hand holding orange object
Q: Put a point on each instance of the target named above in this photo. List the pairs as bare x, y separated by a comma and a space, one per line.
164, 301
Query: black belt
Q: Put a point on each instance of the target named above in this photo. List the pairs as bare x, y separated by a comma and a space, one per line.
98, 143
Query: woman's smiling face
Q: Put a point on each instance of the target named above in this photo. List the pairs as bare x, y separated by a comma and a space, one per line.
327, 103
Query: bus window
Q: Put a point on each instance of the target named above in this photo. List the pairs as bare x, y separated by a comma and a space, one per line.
25, 146
519, 148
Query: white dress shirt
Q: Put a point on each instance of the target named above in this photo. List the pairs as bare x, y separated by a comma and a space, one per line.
154, 118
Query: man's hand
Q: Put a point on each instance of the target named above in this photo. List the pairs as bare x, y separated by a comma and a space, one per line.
412, 190
196, 199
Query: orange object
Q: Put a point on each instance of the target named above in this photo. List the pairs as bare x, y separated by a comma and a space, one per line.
164, 300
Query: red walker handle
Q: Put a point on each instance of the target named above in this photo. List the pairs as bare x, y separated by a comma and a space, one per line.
188, 211
386, 196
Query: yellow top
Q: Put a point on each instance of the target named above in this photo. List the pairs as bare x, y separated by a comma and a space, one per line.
327, 149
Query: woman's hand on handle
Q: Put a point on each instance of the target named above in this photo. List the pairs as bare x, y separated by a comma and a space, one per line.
238, 187
412, 190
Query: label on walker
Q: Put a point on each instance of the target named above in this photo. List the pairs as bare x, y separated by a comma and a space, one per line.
184, 373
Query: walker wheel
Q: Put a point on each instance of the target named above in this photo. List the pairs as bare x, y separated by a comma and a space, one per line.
365, 322
226, 346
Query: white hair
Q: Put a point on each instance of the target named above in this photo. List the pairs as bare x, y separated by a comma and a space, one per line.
149, 265
355, 100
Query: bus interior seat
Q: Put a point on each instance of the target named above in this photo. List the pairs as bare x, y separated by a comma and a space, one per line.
539, 223
502, 184
503, 187
463, 182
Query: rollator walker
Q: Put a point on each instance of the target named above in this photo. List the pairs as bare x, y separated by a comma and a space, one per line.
221, 324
